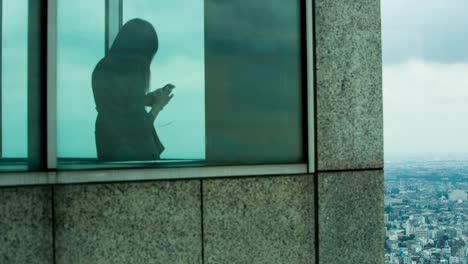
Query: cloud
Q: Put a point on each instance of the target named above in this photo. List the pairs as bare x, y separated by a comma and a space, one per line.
182, 71
80, 47
425, 108
186, 111
176, 17
432, 30
14, 76
84, 18
14, 14
180, 60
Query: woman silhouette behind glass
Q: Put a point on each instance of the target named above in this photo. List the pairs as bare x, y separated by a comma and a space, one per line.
120, 81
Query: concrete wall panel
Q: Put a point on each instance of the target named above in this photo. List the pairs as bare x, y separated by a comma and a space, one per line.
259, 220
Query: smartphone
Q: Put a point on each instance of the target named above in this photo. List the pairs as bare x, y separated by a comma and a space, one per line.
168, 87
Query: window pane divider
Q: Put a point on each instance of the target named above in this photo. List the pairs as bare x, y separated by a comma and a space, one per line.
1, 80
310, 87
52, 84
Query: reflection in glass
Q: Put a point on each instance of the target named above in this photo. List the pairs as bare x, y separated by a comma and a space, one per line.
181, 61
80, 45
14, 76
237, 67
124, 130
254, 81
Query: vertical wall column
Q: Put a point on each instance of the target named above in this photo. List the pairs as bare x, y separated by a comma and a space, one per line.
349, 131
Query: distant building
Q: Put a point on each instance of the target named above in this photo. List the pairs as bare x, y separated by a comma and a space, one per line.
409, 228
402, 186
406, 260
394, 234
447, 250
457, 195
421, 233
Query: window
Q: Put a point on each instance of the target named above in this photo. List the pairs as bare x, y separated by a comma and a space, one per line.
180, 60
14, 79
80, 45
21, 113
142, 83
236, 67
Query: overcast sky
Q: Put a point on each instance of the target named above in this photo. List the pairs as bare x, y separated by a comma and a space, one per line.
425, 70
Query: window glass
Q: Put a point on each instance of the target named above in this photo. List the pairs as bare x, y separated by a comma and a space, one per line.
253, 81
183, 81
21, 144
180, 60
80, 45
14, 76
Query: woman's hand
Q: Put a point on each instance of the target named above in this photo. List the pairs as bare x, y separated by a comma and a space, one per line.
157, 95
159, 99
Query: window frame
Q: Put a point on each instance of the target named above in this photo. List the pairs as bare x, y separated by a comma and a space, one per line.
49, 173
36, 85
1, 79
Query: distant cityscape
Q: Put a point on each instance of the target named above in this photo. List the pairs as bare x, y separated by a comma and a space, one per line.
426, 212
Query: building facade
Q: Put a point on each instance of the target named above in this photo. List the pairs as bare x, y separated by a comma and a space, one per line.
327, 209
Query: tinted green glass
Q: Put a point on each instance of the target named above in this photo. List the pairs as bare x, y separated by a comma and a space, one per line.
80, 45
21, 144
180, 61
254, 87
14, 76
181, 82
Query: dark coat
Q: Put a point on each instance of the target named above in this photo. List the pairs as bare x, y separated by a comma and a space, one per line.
124, 130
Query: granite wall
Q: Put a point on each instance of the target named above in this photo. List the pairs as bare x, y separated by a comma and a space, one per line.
332, 216
349, 131
150, 222
26, 225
